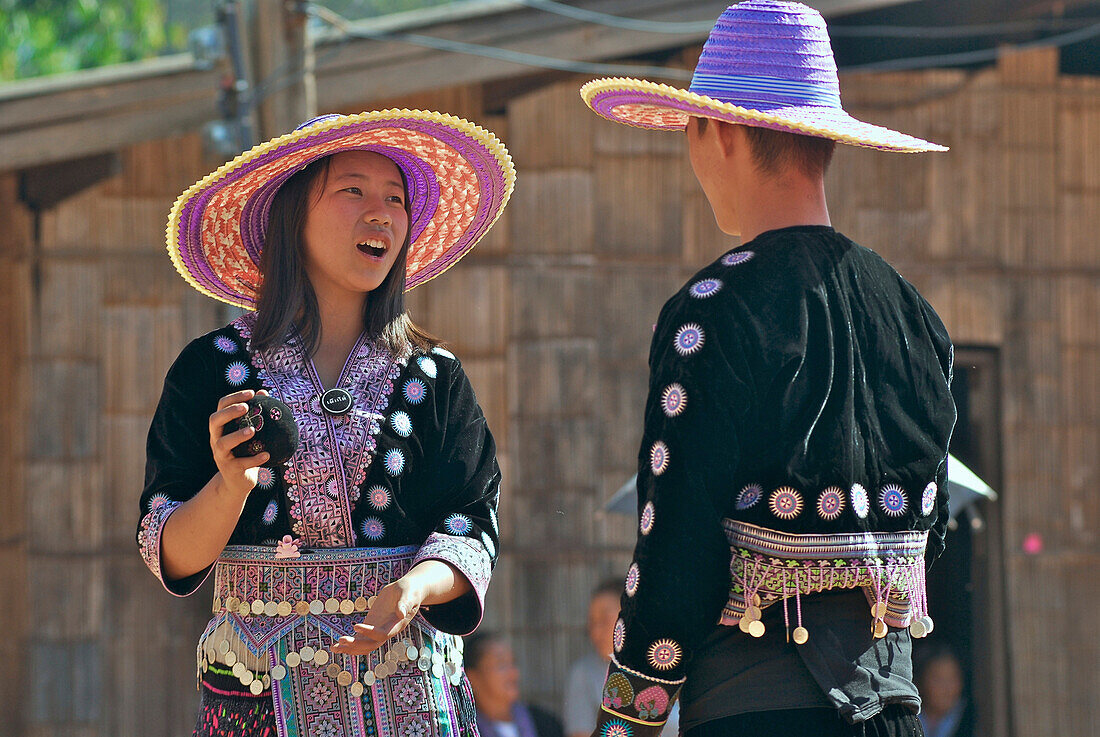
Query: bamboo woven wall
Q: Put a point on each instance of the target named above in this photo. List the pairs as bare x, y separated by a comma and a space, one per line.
552, 316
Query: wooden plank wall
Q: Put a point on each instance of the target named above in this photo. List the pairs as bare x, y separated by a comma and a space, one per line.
552, 316
105, 314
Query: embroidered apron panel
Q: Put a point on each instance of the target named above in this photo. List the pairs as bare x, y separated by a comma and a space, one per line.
286, 613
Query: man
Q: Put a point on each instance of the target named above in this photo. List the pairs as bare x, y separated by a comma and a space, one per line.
792, 475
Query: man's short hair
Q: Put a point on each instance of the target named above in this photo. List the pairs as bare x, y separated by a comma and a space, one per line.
774, 150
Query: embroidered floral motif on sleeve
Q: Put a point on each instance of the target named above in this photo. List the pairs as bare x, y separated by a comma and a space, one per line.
617, 692
705, 288
466, 554
415, 391
378, 497
372, 528
152, 525
664, 654
645, 522
402, 423
616, 728
427, 365
637, 700
618, 635
785, 503
892, 500
658, 458
689, 339
225, 344
458, 524
928, 499
861, 505
394, 461
739, 257
632, 576
749, 496
831, 503
237, 373
651, 703
673, 400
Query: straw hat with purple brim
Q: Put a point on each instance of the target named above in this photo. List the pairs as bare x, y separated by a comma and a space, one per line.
459, 176
767, 64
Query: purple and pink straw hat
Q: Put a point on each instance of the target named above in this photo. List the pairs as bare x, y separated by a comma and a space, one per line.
459, 176
767, 64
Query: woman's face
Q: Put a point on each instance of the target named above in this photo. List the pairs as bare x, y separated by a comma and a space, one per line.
495, 680
355, 225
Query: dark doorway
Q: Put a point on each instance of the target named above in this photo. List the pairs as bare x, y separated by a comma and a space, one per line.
966, 585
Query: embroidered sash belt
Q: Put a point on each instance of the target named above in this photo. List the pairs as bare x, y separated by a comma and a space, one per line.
275, 619
768, 566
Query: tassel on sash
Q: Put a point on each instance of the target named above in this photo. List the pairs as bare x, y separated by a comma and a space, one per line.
768, 566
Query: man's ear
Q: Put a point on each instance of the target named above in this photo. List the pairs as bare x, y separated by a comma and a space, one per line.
728, 137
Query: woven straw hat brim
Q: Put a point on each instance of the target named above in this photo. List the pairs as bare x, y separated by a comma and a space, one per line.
645, 104
459, 175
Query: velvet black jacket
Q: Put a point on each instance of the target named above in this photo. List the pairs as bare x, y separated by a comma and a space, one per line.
796, 364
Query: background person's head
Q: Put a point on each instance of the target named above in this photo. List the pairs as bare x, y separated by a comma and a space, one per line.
603, 612
494, 678
939, 679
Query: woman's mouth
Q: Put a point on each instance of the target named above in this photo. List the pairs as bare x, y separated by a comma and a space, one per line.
373, 247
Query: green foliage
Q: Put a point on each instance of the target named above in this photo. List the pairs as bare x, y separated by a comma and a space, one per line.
50, 36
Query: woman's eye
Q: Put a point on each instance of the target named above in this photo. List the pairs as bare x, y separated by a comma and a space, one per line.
354, 190
396, 198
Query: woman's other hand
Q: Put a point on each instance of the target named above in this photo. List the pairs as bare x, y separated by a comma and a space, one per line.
430, 582
394, 607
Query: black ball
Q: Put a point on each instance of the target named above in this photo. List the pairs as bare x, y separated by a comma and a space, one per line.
276, 430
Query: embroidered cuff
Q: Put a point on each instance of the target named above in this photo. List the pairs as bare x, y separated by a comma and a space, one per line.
634, 705
461, 616
149, 537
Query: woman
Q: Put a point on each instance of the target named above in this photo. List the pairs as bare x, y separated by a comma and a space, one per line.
343, 574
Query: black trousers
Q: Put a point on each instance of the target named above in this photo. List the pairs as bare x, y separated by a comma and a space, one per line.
893, 721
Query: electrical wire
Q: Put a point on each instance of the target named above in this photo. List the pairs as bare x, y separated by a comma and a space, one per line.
618, 21
493, 52
978, 56
878, 31
964, 31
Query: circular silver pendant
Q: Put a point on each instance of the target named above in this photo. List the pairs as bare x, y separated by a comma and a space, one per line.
336, 401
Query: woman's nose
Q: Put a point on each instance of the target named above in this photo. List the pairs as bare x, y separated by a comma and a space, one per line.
378, 216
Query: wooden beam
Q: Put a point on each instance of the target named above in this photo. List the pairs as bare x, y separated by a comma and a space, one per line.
83, 113
104, 132
81, 95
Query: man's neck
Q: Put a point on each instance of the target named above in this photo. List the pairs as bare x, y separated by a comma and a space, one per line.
781, 203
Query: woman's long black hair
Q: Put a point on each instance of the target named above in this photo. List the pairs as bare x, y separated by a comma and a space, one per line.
287, 301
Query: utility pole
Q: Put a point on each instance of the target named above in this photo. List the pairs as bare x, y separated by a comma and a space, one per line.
283, 66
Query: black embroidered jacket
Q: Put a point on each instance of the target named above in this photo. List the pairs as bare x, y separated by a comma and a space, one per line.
799, 387
412, 463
